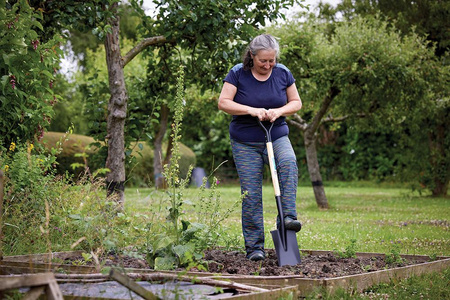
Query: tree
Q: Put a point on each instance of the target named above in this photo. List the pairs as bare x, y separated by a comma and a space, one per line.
187, 24
430, 19
364, 69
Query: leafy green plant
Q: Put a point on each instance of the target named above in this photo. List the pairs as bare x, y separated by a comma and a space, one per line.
29, 193
27, 74
86, 259
173, 243
394, 258
209, 212
433, 257
349, 252
178, 241
44, 212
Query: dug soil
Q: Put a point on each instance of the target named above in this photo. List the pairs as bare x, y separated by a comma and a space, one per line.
312, 266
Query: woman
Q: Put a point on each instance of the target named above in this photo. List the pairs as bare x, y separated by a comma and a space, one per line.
264, 89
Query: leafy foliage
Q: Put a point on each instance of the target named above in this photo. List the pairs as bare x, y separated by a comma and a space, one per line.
27, 71
426, 17
385, 80
427, 120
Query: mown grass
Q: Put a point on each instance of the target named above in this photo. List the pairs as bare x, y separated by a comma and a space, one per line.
381, 218
378, 218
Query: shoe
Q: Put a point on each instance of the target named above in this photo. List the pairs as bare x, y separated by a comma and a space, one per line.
291, 224
256, 255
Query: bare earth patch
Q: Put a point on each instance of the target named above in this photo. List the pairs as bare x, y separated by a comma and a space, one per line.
328, 265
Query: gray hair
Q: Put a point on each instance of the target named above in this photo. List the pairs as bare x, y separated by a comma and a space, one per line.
261, 42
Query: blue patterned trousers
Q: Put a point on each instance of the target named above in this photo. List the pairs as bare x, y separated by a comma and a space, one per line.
250, 158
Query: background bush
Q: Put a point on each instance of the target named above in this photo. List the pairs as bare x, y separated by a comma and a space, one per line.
139, 171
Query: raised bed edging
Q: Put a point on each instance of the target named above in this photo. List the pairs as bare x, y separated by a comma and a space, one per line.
357, 282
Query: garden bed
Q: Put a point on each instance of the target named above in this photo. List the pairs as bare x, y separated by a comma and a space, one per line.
319, 269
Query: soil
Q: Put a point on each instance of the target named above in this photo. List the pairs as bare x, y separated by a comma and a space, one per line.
327, 265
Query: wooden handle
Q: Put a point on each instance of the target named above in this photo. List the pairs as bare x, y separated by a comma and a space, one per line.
273, 169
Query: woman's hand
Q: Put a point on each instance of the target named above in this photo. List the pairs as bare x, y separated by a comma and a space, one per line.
273, 114
260, 113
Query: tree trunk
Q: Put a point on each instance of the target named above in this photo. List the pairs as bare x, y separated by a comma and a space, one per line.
438, 161
157, 152
440, 189
310, 139
313, 169
117, 111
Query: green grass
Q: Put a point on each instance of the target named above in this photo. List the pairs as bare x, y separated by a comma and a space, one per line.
381, 218
434, 286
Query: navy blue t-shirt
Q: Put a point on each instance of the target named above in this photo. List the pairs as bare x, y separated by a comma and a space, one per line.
265, 94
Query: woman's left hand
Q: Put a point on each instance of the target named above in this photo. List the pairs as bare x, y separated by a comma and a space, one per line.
273, 114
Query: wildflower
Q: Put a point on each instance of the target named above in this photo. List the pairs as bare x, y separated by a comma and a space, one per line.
30, 147
12, 81
6, 168
12, 147
35, 44
217, 182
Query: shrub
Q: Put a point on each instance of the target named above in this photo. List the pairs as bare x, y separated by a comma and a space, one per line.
140, 172
27, 74
45, 212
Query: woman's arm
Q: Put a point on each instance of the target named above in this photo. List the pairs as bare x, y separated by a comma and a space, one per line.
293, 105
228, 105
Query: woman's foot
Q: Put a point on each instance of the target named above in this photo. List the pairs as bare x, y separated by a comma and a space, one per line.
256, 255
292, 224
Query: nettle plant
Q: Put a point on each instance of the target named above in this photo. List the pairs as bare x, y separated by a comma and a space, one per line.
27, 75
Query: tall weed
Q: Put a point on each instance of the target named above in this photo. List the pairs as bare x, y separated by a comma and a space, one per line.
45, 212
178, 241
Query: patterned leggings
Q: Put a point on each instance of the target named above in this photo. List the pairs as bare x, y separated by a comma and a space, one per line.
250, 158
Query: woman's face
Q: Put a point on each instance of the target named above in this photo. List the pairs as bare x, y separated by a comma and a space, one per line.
264, 61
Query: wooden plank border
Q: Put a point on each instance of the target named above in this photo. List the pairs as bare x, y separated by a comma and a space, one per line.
37, 282
356, 282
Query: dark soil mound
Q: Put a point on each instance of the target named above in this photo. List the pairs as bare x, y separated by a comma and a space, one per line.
326, 265
312, 266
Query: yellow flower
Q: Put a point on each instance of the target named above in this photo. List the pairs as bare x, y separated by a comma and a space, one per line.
30, 147
6, 168
12, 147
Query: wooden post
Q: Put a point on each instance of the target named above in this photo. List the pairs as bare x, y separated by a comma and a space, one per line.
130, 284
1, 215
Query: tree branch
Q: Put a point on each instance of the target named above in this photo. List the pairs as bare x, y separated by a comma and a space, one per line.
141, 46
332, 93
342, 118
298, 122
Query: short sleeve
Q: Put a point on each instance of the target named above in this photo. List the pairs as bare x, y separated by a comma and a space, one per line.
233, 76
290, 80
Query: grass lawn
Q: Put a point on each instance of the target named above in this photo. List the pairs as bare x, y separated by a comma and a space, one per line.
380, 218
